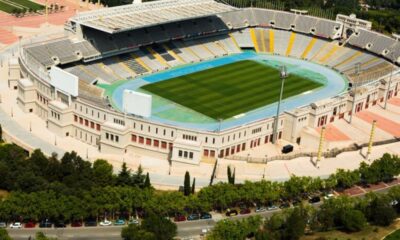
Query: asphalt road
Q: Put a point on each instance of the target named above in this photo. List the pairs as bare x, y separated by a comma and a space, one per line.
185, 229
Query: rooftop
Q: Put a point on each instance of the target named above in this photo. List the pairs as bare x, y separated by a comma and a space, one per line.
139, 15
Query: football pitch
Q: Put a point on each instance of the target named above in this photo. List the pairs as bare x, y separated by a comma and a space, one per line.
230, 90
11, 6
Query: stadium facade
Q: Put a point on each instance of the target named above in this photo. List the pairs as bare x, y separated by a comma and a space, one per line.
105, 46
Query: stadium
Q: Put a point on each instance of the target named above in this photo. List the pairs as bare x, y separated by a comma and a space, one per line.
186, 80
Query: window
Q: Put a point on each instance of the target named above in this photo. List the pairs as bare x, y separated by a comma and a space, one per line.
156, 143
91, 124
80, 120
141, 140
134, 138
191, 155
112, 137
148, 141
212, 153
163, 145
75, 118
86, 122
180, 153
97, 127
117, 138
185, 154
107, 135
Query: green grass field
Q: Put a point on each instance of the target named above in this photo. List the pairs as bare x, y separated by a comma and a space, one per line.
231, 89
10, 5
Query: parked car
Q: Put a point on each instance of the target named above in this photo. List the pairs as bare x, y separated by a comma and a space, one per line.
287, 149
205, 216
30, 224
315, 199
179, 218
3, 225
16, 225
284, 205
272, 208
59, 224
105, 223
119, 222
90, 223
245, 211
193, 216
45, 224
133, 221
260, 209
76, 224
329, 196
231, 213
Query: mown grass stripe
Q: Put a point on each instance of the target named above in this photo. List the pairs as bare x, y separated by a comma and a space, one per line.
229, 90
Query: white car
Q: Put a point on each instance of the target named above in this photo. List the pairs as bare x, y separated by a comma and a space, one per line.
329, 196
105, 223
16, 225
261, 209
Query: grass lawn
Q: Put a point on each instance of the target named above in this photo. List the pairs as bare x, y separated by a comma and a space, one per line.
393, 236
230, 90
8, 7
369, 233
3, 193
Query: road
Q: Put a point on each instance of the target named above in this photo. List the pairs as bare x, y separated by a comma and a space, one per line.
185, 229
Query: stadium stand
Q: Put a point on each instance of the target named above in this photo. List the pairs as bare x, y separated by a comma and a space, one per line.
284, 20
304, 24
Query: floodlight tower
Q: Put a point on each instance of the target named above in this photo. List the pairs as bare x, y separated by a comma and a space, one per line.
283, 75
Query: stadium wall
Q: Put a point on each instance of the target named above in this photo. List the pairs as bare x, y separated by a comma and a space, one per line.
112, 132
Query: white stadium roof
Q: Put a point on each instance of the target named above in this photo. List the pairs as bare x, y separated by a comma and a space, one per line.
138, 15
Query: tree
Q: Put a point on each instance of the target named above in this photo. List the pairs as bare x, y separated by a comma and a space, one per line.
233, 176
161, 227
186, 184
102, 173
353, 220
1, 133
295, 224
147, 183
138, 178
239, 229
194, 186
134, 232
381, 211
4, 235
229, 173
124, 176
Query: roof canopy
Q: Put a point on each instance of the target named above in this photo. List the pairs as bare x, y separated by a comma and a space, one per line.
139, 15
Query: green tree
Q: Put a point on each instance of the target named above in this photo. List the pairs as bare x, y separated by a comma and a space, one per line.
1, 133
102, 173
381, 211
295, 224
161, 227
354, 220
134, 232
239, 229
124, 176
147, 183
186, 184
138, 177
4, 234
229, 174
194, 186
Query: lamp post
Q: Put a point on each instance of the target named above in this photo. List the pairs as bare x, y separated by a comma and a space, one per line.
390, 82
283, 75
357, 72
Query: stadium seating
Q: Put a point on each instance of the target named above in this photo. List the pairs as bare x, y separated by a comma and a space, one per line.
304, 24
284, 20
